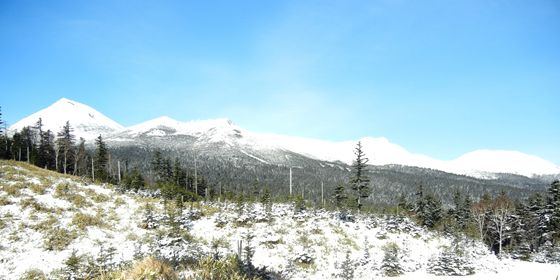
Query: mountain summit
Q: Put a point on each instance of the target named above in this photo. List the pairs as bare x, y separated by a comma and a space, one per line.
86, 121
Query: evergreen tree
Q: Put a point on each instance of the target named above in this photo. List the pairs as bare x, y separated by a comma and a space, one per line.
101, 159
553, 207
432, 213
46, 152
167, 171
299, 204
466, 211
461, 209
65, 145
391, 265
18, 145
266, 201
133, 180
5, 146
4, 139
537, 221
202, 186
38, 129
457, 205
2, 123
347, 268
402, 202
419, 196
72, 266
520, 241
428, 208
359, 181
249, 251
339, 196
156, 163
80, 159
265, 197
177, 172
29, 145
161, 168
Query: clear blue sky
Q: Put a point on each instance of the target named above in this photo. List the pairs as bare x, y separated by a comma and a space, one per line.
438, 77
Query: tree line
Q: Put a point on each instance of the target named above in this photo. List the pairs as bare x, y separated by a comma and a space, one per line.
521, 227
62, 153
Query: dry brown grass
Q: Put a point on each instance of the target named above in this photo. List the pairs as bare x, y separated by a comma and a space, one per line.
12, 189
39, 188
32, 203
82, 221
4, 200
147, 269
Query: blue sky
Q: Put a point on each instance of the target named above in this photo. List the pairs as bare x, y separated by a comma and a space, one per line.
437, 77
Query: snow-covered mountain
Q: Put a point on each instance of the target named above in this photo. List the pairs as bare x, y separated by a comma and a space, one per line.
86, 121
267, 147
480, 163
166, 126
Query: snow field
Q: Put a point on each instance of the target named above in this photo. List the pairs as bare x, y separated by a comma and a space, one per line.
309, 244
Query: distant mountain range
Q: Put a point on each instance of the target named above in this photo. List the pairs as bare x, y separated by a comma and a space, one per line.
220, 135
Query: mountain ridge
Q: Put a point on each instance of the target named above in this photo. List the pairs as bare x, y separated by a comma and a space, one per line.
90, 123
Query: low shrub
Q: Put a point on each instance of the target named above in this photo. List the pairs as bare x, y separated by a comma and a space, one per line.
33, 274
13, 189
82, 221
4, 200
57, 239
33, 204
228, 268
149, 268
391, 265
38, 188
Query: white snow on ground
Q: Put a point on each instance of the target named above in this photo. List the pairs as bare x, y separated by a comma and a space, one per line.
309, 244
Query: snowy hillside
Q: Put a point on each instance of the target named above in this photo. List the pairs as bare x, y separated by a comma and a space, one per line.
86, 121
89, 123
63, 227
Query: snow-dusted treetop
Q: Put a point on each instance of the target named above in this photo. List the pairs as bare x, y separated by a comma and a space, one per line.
86, 121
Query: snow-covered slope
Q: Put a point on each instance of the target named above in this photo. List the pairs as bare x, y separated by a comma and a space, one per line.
46, 216
86, 121
164, 125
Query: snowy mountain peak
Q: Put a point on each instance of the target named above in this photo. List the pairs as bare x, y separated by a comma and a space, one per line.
86, 121
500, 161
164, 125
